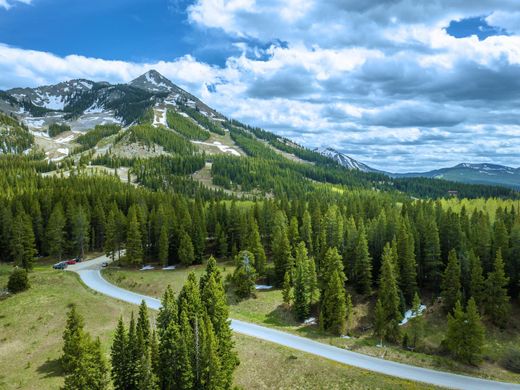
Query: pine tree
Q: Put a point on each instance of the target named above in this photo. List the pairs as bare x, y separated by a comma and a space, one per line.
477, 282
211, 372
164, 245
287, 288
244, 276
134, 244
186, 252
119, 355
91, 372
450, 288
496, 299
431, 252
313, 282
302, 282
22, 241
334, 310
306, 231
55, 234
73, 340
380, 323
281, 248
110, 246
416, 322
465, 334
80, 231
407, 265
350, 314
143, 323
222, 243
255, 247
362, 264
214, 300
168, 312
389, 294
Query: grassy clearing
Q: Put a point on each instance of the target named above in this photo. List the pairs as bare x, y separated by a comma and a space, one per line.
267, 309
31, 326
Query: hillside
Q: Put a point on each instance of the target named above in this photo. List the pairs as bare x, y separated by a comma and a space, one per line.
139, 124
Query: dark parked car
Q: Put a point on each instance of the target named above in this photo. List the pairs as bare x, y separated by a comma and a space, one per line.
60, 265
104, 264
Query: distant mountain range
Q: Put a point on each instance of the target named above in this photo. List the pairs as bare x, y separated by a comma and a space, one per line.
493, 174
82, 104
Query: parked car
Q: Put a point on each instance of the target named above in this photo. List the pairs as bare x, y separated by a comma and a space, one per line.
60, 265
104, 264
71, 261
78, 259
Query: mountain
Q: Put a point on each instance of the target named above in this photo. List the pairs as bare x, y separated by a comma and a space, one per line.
344, 160
492, 174
87, 103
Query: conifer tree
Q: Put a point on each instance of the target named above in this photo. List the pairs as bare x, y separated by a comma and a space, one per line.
306, 230
55, 234
256, 248
389, 294
73, 340
380, 323
407, 264
302, 282
313, 282
214, 300
362, 263
143, 323
416, 322
164, 245
477, 282
465, 334
168, 312
119, 355
431, 252
450, 288
110, 247
281, 248
134, 244
350, 314
80, 230
287, 288
244, 276
186, 252
222, 243
496, 299
334, 310
22, 241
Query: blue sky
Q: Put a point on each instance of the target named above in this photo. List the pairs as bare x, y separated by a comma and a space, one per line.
399, 85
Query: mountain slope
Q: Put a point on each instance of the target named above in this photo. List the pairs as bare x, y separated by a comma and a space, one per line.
344, 160
492, 174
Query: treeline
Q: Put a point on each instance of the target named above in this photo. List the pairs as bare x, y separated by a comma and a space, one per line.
15, 137
186, 126
203, 120
189, 347
92, 137
57, 128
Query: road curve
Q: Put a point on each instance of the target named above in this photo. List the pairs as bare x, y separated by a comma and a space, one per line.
90, 274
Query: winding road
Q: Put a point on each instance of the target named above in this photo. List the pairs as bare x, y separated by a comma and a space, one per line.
90, 274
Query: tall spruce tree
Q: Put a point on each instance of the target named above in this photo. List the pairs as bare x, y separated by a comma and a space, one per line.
362, 263
497, 304
451, 286
134, 243
333, 311
389, 294
465, 334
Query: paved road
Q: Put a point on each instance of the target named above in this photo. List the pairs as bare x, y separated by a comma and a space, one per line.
90, 274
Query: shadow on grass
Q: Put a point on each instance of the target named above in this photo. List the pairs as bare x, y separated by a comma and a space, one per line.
51, 368
281, 316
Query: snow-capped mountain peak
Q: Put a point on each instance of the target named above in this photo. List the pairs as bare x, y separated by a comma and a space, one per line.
344, 160
153, 81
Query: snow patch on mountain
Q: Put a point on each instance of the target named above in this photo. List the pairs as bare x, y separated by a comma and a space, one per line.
344, 160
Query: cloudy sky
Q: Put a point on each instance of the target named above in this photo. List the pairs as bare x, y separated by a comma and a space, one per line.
402, 85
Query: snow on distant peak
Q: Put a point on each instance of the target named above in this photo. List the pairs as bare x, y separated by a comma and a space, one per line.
344, 160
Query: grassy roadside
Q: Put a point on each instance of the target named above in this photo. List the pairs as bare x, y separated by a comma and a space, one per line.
267, 309
31, 325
